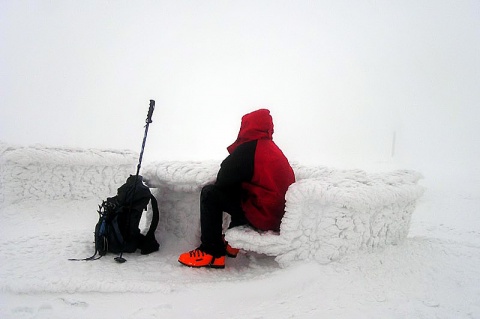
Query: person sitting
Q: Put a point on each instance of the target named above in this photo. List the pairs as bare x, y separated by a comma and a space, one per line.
250, 186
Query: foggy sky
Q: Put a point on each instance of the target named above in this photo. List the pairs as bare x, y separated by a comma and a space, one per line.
349, 83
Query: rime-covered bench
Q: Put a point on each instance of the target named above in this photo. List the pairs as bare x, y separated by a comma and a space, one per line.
40, 172
329, 213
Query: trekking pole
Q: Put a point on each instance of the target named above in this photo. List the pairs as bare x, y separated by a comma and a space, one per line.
151, 108
148, 121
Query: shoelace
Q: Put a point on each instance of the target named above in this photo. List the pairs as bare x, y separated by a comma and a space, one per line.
197, 253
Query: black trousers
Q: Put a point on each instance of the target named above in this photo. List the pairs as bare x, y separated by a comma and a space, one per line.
213, 202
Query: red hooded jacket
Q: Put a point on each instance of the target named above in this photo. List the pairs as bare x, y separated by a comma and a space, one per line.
264, 203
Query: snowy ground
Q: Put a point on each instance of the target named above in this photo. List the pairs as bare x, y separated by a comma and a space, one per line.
435, 273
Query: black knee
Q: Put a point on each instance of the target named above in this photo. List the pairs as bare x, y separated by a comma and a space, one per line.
207, 188
208, 192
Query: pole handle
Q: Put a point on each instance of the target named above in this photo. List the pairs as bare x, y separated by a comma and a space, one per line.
150, 111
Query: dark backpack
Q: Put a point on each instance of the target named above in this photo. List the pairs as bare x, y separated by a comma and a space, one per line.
117, 228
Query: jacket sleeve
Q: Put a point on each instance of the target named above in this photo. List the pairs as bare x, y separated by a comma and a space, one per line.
238, 166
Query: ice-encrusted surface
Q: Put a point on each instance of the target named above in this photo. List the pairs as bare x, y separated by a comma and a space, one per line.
39, 172
327, 218
329, 212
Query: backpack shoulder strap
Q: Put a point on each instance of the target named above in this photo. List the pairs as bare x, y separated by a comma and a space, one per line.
149, 244
155, 217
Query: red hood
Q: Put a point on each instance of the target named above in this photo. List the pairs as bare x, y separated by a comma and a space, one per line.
255, 126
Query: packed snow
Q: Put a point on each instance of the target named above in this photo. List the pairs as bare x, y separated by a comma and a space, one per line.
49, 198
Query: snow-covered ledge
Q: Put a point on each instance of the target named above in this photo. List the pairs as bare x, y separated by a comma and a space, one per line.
39, 172
329, 212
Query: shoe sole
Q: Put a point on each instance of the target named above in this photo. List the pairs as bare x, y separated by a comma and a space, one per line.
206, 266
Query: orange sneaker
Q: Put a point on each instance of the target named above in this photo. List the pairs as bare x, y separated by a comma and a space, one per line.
231, 252
198, 258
